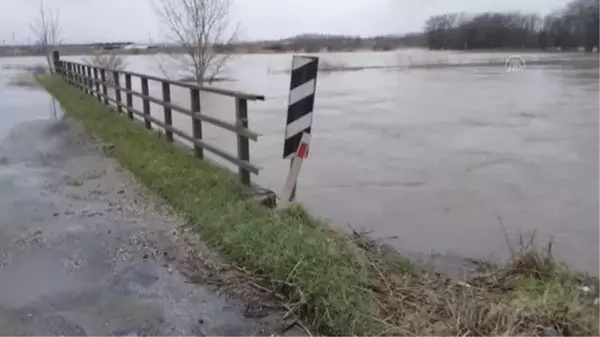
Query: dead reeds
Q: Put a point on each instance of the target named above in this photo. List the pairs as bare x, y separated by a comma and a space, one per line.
529, 295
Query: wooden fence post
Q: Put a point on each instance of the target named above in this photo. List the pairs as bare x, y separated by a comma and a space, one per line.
166, 89
78, 76
88, 80
128, 96
82, 78
146, 102
117, 91
56, 62
241, 117
74, 74
85, 79
91, 80
104, 88
96, 78
196, 123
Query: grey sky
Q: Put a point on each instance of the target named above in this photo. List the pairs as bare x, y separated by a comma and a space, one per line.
135, 20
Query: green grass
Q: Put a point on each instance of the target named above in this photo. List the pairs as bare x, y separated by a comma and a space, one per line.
343, 284
289, 247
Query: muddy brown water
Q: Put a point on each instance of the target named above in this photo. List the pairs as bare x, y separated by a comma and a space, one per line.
432, 157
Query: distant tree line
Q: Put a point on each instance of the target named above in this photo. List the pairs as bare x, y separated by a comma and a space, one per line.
572, 27
321, 42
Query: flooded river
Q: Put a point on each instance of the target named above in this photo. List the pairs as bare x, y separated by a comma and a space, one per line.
433, 157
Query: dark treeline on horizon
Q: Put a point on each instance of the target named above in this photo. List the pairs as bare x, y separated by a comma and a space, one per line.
572, 27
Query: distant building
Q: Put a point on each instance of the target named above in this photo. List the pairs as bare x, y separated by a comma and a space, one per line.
111, 45
136, 47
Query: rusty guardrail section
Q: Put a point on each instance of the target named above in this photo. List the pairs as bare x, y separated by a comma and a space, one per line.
96, 82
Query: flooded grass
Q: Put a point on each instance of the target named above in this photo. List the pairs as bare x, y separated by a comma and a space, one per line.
342, 284
26, 76
24, 80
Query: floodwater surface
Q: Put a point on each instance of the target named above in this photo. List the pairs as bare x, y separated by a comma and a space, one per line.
436, 158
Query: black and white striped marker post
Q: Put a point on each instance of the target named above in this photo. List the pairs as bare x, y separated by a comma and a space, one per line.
301, 102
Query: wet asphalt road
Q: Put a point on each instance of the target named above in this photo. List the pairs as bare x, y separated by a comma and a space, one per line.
84, 252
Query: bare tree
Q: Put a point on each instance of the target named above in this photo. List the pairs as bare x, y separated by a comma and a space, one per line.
46, 29
201, 28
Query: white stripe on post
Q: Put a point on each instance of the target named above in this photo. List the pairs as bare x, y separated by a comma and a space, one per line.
302, 91
298, 125
298, 62
303, 82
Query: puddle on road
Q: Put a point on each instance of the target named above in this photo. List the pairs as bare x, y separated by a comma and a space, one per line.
23, 101
23, 272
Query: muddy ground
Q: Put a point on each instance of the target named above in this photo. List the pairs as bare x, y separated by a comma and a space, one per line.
84, 250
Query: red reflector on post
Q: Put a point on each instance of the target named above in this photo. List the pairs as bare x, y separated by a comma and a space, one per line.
302, 150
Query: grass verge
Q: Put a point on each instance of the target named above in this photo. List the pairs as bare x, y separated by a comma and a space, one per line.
340, 284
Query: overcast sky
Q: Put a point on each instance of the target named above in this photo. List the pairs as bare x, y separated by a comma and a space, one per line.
135, 20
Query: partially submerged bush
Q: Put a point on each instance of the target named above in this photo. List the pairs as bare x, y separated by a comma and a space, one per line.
39, 69
26, 77
331, 66
109, 61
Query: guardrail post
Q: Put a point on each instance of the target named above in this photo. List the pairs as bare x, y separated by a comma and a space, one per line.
117, 91
128, 96
241, 117
166, 89
196, 123
146, 102
97, 84
104, 88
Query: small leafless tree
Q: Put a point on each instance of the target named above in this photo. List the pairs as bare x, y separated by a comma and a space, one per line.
201, 28
110, 61
46, 29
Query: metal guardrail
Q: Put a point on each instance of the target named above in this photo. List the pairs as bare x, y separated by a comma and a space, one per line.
96, 81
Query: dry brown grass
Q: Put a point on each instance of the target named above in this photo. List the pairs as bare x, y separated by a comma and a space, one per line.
530, 295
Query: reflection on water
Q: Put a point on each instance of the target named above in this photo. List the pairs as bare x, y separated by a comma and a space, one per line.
21, 99
56, 111
433, 157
